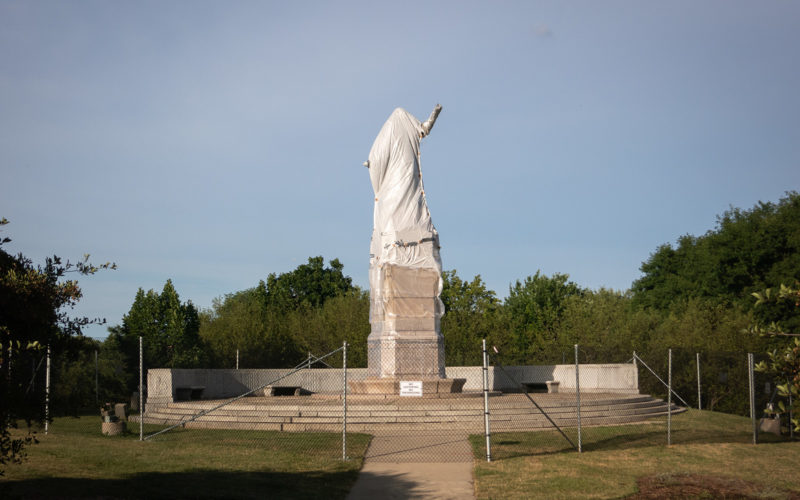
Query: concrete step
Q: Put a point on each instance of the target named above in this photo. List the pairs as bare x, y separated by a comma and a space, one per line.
584, 408
471, 426
413, 406
508, 412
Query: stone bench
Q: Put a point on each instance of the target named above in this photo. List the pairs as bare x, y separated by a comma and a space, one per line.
189, 393
549, 386
284, 390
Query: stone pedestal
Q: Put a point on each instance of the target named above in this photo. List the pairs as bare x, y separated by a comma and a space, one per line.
405, 342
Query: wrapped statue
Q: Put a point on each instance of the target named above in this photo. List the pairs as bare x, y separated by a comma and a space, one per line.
405, 341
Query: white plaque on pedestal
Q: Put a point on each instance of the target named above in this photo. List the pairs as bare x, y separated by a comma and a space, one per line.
411, 388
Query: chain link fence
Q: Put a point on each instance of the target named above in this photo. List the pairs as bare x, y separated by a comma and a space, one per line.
304, 407
649, 399
65, 382
396, 411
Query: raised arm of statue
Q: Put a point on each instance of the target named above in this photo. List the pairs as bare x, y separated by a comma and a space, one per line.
427, 125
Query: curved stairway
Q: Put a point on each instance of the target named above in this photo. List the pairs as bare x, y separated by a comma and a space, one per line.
319, 412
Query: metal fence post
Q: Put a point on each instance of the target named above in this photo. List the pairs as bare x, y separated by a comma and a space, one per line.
141, 392
96, 385
669, 399
344, 400
636, 367
486, 429
752, 383
237, 359
791, 416
699, 394
578, 397
47, 393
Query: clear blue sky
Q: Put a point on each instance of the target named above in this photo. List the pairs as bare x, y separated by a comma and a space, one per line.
215, 142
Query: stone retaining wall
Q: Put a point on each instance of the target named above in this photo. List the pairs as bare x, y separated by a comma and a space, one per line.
220, 384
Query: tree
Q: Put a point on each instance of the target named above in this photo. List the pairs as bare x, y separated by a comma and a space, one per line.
471, 314
34, 313
310, 283
535, 308
604, 325
73, 376
310, 309
749, 250
341, 318
784, 361
180, 327
243, 322
169, 331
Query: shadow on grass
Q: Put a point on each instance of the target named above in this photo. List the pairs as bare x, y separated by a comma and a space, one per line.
190, 484
689, 428
628, 440
518, 444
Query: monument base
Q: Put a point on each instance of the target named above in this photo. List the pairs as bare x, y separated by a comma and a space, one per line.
406, 358
388, 386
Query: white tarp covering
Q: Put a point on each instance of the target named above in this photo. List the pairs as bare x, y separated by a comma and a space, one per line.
403, 233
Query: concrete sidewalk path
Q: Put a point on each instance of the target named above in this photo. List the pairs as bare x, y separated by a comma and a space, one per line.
416, 465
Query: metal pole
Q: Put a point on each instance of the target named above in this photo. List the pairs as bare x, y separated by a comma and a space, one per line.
636, 369
344, 400
237, 359
96, 398
141, 387
578, 397
47, 393
699, 393
486, 429
662, 382
534, 403
669, 400
791, 415
751, 378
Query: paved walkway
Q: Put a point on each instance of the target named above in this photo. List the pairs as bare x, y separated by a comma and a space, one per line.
423, 464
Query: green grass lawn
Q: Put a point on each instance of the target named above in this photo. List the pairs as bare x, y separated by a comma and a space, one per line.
76, 461
709, 450
712, 456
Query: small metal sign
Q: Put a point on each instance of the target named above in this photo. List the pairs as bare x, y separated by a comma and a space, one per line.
411, 388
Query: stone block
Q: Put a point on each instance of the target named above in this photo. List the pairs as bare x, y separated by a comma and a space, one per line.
401, 281
134, 402
409, 326
409, 358
113, 428
771, 425
120, 410
410, 307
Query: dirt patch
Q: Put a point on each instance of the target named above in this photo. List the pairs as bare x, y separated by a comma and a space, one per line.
685, 486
